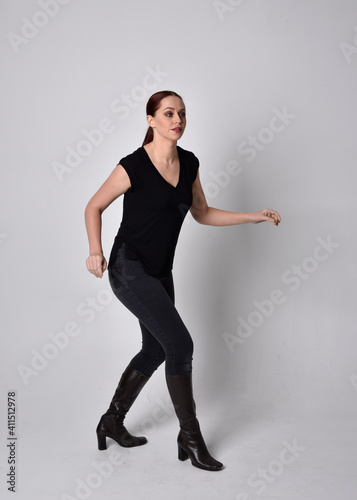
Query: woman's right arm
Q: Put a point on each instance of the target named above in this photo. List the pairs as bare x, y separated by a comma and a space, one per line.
117, 184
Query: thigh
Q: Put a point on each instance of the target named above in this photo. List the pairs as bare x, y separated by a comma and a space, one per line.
151, 301
168, 284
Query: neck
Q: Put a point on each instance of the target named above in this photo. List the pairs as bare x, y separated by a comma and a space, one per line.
163, 149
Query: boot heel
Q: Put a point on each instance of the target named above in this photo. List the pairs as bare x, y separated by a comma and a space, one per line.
102, 442
182, 455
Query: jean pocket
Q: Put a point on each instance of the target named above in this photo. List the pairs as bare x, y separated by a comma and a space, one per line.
125, 268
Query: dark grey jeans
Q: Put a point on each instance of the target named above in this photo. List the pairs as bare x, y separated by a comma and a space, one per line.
151, 300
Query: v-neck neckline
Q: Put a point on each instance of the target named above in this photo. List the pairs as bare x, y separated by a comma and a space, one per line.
158, 173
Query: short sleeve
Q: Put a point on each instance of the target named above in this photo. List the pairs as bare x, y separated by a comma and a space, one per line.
194, 164
128, 163
196, 167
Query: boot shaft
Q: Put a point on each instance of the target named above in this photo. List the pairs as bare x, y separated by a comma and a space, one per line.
131, 383
181, 393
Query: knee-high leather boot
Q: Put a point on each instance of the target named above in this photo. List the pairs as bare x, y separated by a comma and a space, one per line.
190, 441
111, 423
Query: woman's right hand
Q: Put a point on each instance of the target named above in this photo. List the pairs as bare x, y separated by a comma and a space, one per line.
96, 264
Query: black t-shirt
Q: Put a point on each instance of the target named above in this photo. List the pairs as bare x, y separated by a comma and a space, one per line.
154, 211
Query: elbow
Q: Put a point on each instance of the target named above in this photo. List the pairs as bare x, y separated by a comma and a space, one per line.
200, 220
200, 216
88, 209
91, 208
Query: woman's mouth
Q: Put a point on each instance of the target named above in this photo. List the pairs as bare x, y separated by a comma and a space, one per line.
177, 129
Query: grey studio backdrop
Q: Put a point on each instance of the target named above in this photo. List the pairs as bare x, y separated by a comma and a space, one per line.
271, 103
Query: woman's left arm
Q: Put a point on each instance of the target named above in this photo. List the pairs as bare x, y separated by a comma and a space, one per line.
210, 216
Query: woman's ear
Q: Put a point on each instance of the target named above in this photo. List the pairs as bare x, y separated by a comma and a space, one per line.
150, 120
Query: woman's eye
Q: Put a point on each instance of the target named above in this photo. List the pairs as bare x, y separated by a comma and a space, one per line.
170, 114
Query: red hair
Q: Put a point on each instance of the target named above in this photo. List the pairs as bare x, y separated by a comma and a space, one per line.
152, 106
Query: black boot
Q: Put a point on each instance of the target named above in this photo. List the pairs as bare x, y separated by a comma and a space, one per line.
190, 441
111, 423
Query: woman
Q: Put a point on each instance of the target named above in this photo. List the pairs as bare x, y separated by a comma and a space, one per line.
160, 183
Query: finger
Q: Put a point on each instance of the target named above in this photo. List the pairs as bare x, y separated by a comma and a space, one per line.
95, 263
270, 218
102, 267
99, 272
274, 215
89, 264
94, 266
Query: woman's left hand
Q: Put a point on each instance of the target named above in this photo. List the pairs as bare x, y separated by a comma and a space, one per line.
265, 215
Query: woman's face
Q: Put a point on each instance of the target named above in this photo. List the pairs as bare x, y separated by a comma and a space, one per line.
169, 120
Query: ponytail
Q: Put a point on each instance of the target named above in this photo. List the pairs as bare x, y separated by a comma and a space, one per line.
149, 136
